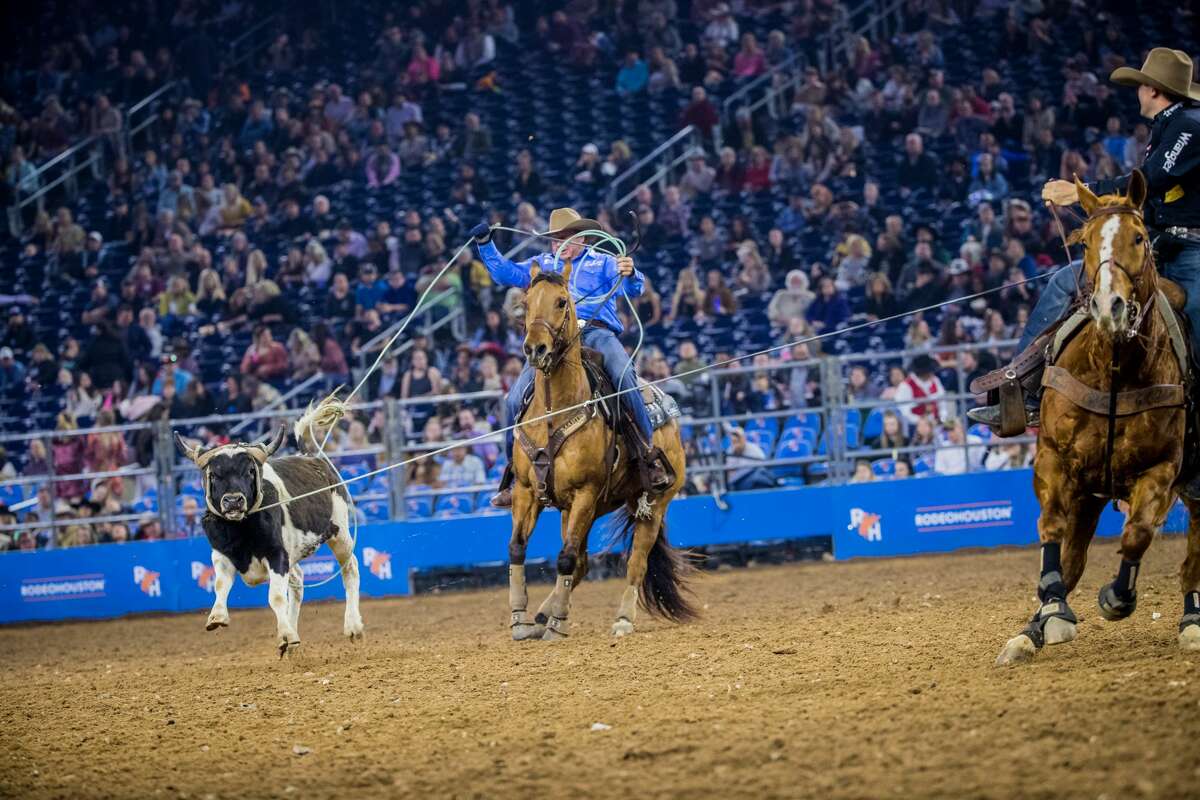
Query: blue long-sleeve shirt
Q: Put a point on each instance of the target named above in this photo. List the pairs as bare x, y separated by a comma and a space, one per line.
592, 277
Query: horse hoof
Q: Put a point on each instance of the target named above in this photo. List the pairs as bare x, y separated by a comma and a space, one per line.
556, 629
1189, 639
622, 627
214, 623
1113, 608
523, 632
1017, 650
288, 648
354, 634
1059, 631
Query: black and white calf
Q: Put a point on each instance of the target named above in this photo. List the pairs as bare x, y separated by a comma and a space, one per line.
268, 545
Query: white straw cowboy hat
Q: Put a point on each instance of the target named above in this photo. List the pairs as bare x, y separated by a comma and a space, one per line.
1165, 69
566, 221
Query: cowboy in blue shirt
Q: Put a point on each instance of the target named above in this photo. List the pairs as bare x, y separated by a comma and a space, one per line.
592, 278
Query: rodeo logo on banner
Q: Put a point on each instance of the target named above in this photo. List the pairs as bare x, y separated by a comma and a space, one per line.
866, 525
204, 575
378, 563
149, 581
964, 516
64, 587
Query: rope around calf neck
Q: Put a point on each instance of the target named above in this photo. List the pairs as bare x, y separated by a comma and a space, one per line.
685, 374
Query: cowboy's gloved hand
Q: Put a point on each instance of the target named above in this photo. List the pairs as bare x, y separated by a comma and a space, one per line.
625, 266
482, 233
1060, 193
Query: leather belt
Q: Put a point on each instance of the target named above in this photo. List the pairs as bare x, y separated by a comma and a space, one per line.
1182, 232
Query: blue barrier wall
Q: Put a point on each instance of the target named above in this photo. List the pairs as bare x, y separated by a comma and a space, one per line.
889, 518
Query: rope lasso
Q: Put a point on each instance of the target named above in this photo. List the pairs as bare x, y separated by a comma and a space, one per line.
685, 374
329, 412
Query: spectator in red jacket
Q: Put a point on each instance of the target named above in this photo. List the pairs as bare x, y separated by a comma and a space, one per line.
701, 113
265, 359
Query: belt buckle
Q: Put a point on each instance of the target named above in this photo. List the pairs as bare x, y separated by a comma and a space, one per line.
581, 323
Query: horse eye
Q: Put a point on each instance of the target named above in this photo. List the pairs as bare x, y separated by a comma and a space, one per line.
1139, 239
562, 303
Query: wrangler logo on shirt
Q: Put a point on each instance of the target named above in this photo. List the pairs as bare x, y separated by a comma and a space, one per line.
1170, 158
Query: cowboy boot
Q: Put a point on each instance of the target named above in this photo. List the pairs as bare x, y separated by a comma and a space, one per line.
652, 461
990, 415
503, 497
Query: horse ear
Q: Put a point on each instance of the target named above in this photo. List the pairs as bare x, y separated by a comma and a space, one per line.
189, 448
1087, 198
534, 270
566, 271
1137, 191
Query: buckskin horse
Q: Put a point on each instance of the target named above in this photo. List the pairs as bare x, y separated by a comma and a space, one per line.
1114, 425
571, 461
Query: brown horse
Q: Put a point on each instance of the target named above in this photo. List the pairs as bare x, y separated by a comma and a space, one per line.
1122, 369
584, 481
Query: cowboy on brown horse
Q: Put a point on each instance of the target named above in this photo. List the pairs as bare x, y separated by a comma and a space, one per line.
594, 289
1114, 425
570, 458
1166, 95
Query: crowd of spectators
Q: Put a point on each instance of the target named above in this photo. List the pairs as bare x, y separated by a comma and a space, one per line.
897, 179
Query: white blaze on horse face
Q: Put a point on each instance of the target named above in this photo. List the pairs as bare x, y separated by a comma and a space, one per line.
1103, 299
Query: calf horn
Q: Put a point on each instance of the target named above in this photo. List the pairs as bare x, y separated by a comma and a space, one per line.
261, 451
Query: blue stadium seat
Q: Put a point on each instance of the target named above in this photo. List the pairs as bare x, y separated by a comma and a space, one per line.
375, 510
762, 437
808, 419
873, 426
982, 431
454, 505
419, 506
12, 494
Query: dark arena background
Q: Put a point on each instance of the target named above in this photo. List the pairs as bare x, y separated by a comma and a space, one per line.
219, 214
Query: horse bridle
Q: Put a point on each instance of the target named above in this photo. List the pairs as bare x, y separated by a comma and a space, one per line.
1137, 308
558, 344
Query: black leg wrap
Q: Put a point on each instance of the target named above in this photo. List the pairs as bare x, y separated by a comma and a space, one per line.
1191, 610
566, 563
1119, 599
1036, 629
1051, 586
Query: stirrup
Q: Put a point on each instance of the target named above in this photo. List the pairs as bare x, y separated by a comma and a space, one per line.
992, 417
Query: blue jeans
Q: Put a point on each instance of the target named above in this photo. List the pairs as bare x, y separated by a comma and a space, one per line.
1179, 263
606, 343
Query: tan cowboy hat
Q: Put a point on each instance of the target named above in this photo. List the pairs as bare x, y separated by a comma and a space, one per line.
566, 221
1165, 69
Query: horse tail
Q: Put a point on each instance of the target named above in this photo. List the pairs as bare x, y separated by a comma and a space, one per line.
664, 590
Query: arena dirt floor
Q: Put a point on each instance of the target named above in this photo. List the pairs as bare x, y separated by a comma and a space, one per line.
856, 680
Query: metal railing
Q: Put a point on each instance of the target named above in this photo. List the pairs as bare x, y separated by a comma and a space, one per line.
682, 141
829, 454
874, 19
63, 169
242, 54
455, 319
